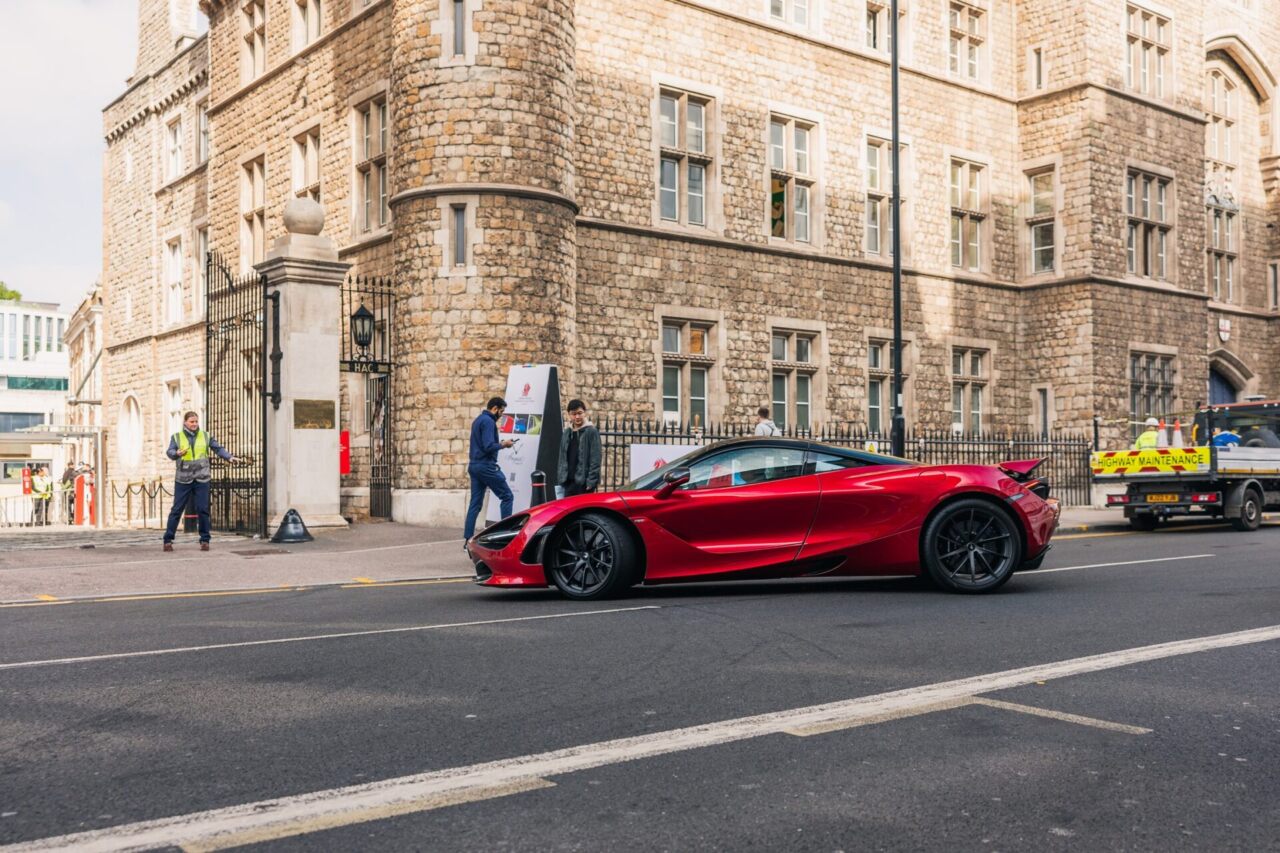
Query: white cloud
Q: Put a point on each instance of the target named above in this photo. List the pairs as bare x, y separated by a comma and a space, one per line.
62, 62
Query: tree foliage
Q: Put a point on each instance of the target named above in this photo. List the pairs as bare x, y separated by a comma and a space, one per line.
7, 293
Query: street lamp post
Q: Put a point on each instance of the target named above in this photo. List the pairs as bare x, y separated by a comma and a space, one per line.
362, 325
897, 428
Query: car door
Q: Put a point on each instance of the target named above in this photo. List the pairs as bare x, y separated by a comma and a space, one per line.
861, 502
743, 508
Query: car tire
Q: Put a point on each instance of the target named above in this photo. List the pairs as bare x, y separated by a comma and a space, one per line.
971, 546
1146, 522
592, 556
1250, 512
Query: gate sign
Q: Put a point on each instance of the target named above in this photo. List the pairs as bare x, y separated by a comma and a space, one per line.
646, 458
26, 481
532, 421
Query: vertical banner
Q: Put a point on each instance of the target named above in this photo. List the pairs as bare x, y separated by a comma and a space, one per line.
26, 481
646, 458
344, 452
532, 420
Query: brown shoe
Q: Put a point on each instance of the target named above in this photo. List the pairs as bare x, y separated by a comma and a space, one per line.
168, 546
204, 546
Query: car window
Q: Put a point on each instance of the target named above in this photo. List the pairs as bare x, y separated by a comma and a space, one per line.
824, 462
746, 466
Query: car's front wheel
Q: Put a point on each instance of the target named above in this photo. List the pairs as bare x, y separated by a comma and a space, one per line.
971, 545
592, 557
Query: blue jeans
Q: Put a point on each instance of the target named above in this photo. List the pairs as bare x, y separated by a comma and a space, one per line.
485, 476
180, 493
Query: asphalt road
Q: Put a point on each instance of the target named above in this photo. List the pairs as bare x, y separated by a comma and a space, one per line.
816, 715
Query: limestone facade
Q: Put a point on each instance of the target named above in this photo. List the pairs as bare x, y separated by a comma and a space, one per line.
563, 179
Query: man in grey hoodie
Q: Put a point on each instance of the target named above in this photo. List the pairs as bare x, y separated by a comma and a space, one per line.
579, 470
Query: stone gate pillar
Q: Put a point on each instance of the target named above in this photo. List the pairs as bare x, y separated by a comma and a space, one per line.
304, 278
483, 217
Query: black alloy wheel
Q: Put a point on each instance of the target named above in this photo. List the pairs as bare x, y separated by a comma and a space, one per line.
591, 557
970, 546
1250, 517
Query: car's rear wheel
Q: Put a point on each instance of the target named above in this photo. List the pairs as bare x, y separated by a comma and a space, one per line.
970, 546
592, 557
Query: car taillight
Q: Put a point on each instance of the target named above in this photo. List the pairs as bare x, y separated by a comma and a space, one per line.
1206, 498
1117, 499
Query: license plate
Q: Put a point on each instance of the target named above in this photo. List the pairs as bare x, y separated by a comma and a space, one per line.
1162, 499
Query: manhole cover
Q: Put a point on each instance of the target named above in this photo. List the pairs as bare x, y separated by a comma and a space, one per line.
259, 552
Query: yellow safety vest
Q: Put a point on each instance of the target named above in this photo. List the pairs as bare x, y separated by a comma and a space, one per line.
1147, 440
186, 452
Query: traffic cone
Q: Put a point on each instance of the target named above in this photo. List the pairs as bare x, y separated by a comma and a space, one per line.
1162, 437
292, 529
1177, 433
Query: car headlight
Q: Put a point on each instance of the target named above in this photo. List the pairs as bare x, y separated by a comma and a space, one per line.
498, 536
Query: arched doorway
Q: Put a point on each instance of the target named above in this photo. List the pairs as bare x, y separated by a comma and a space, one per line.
1221, 389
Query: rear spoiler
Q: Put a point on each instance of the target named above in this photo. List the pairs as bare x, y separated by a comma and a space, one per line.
1022, 470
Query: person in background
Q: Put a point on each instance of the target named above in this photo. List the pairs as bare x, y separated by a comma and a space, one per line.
189, 448
579, 470
68, 486
1150, 435
483, 465
41, 495
1225, 437
765, 424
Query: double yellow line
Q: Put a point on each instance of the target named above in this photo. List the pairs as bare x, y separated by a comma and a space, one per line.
364, 583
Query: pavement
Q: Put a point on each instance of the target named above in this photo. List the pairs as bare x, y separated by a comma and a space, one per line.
130, 562
1124, 697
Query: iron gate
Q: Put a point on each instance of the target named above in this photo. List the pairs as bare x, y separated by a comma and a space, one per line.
235, 394
368, 305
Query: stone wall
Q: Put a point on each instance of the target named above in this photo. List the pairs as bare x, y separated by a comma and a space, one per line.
554, 105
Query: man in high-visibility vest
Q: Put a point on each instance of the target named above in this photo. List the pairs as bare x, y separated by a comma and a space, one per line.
190, 448
41, 494
1150, 436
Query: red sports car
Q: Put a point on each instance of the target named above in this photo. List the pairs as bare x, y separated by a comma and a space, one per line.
775, 508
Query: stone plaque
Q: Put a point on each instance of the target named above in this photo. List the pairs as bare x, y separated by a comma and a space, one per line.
313, 414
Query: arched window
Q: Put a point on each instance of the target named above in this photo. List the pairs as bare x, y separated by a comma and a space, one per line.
130, 432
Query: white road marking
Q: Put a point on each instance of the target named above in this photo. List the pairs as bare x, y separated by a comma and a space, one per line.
321, 822
330, 808
1061, 715
309, 638
1034, 572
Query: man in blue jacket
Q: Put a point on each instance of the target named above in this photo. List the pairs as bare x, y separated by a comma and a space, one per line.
483, 465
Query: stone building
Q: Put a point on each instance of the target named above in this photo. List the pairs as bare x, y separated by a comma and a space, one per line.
684, 204
155, 234
84, 337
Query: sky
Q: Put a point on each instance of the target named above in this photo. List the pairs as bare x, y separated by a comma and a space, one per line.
61, 62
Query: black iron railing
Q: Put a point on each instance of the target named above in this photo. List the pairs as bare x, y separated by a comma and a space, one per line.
368, 317
237, 391
1067, 467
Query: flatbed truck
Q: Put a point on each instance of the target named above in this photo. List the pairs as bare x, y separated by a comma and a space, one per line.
1237, 482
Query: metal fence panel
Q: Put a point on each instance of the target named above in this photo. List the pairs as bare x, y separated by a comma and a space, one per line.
1067, 468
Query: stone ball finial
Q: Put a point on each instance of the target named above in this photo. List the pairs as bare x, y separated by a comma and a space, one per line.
304, 216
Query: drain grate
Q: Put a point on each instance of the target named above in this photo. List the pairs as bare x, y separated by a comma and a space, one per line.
259, 552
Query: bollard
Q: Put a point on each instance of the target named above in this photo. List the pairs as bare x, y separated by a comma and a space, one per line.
539, 491
189, 517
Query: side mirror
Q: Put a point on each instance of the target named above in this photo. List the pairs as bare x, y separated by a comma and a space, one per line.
672, 480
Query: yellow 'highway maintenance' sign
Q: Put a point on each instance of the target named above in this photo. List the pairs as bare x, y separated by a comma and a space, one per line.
1163, 460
